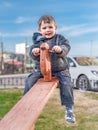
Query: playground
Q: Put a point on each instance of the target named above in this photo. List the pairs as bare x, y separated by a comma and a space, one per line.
52, 117
28, 113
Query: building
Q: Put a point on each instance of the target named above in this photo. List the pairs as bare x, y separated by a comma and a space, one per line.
23, 48
20, 48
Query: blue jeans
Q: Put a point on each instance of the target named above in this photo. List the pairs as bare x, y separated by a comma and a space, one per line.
66, 86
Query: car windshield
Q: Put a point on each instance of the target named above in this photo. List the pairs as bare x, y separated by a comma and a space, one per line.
87, 61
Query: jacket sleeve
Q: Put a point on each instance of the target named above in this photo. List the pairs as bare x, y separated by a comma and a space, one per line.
32, 55
64, 44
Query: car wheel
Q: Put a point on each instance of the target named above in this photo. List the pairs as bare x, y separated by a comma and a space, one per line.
83, 83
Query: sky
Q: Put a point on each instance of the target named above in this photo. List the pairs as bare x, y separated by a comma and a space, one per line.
77, 20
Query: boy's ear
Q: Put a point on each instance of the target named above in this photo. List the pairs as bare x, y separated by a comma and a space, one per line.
56, 27
39, 29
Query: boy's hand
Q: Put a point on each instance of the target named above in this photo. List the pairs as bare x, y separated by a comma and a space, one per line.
57, 49
36, 51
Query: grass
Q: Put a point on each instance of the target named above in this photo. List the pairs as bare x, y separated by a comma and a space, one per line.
52, 117
93, 95
8, 98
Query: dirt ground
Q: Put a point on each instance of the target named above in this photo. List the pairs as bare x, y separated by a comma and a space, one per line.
84, 102
85, 109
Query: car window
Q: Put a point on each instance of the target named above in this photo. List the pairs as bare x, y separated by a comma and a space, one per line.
71, 62
87, 61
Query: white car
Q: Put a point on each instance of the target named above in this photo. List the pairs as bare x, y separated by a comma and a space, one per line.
84, 72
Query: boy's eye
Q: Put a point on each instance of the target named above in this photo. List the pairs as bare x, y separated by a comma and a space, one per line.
50, 27
44, 28
47, 27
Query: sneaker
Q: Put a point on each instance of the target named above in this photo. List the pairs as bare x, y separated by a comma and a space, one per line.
70, 117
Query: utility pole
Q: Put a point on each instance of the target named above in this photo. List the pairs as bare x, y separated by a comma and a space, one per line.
1, 51
91, 47
25, 55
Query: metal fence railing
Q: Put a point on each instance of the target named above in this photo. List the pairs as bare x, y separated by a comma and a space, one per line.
12, 81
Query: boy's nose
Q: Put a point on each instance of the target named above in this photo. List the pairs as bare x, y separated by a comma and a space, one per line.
47, 29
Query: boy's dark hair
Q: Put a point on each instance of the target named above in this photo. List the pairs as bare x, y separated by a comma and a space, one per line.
46, 19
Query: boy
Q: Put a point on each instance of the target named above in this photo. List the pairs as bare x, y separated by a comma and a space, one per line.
60, 69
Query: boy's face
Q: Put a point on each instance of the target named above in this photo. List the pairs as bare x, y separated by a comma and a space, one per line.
47, 30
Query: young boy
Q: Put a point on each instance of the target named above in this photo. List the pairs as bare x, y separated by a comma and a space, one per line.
60, 69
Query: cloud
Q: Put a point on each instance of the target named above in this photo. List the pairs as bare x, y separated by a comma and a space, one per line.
26, 32
21, 34
72, 27
70, 31
5, 4
21, 19
85, 48
78, 30
82, 31
18, 20
91, 17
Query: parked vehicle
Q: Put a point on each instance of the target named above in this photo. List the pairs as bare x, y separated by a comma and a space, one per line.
84, 72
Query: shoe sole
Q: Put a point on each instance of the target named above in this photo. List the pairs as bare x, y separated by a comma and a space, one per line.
71, 124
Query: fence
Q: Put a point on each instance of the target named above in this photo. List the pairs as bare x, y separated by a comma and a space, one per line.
12, 81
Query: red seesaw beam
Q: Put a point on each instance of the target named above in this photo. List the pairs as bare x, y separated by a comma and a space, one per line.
25, 113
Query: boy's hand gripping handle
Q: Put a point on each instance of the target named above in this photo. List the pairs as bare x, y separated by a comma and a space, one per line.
45, 62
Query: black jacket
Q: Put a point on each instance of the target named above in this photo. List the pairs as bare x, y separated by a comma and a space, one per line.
58, 60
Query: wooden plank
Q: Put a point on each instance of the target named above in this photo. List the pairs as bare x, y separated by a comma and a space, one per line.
25, 113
